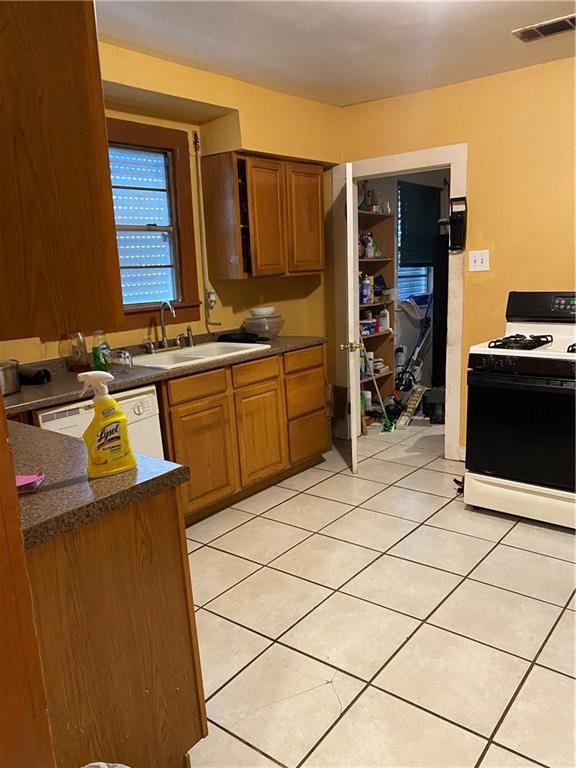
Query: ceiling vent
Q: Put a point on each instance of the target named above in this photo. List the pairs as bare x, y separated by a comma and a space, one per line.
545, 29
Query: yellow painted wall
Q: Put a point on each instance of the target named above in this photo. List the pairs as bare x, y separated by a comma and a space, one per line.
520, 131
269, 121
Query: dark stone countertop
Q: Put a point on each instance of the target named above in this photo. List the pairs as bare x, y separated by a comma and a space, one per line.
65, 388
67, 499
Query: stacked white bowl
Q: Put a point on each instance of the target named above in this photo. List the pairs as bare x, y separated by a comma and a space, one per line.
263, 321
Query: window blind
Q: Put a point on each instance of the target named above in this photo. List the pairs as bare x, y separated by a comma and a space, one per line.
144, 226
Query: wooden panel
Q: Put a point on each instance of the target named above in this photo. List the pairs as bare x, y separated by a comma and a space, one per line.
222, 216
196, 386
305, 199
204, 438
259, 370
267, 213
303, 358
305, 392
57, 238
118, 640
24, 731
308, 436
261, 424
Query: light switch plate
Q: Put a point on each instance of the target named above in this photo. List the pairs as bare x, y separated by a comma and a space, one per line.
479, 261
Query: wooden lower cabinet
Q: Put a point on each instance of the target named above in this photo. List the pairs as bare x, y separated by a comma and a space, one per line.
261, 421
204, 438
240, 427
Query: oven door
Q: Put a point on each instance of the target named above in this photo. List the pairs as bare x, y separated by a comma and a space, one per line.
521, 428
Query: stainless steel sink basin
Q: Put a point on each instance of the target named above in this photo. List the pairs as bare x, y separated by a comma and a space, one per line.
178, 358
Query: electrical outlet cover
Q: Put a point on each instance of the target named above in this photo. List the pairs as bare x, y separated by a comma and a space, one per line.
479, 261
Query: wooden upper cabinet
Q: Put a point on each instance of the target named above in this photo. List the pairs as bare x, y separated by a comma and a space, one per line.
267, 214
59, 268
304, 191
264, 216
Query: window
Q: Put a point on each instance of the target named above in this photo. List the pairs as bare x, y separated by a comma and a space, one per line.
151, 188
414, 237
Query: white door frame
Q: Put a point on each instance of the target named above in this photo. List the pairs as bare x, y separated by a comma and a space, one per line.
454, 157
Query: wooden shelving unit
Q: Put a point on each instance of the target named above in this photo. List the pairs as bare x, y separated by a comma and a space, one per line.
382, 227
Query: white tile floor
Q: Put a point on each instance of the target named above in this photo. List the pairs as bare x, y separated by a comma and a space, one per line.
376, 621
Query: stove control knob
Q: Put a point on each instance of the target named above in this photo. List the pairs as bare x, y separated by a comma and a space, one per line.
511, 363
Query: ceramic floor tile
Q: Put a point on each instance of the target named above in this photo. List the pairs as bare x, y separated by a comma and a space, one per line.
269, 601
310, 512
407, 454
224, 649
462, 518
430, 482
264, 500
385, 472
560, 650
496, 757
351, 634
220, 750
369, 529
457, 678
379, 730
528, 573
217, 524
546, 540
212, 572
497, 617
260, 539
402, 585
443, 549
325, 561
368, 446
428, 441
336, 460
350, 490
400, 502
306, 479
283, 703
386, 438
455, 468
540, 723
192, 546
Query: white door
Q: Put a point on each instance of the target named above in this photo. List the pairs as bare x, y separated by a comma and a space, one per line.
345, 241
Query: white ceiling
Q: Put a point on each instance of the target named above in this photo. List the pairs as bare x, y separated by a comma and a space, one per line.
339, 52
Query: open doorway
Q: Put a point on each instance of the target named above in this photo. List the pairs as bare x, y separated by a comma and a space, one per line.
418, 204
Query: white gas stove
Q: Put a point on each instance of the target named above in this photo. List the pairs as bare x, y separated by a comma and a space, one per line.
520, 454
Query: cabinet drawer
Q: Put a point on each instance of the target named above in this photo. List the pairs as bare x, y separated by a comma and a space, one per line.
200, 385
305, 392
308, 436
259, 370
303, 358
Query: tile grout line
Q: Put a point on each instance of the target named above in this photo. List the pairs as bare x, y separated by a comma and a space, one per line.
525, 677
246, 743
392, 656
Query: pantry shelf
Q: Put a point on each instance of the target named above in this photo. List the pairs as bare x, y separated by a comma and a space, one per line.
377, 376
376, 335
377, 304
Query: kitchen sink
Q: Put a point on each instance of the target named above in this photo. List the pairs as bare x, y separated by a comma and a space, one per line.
178, 358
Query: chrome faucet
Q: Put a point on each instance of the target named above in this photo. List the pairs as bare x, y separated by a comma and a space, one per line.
165, 305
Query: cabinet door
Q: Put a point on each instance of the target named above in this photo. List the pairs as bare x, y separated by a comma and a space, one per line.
58, 254
204, 438
304, 183
266, 200
262, 440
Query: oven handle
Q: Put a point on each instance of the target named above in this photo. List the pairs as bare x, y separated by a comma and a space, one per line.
532, 383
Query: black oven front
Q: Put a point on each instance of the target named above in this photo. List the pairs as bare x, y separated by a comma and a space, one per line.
521, 428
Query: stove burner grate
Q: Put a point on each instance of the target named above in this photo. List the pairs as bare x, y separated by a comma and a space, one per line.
572, 348
519, 341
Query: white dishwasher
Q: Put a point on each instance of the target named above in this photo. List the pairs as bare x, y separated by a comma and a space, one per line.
139, 405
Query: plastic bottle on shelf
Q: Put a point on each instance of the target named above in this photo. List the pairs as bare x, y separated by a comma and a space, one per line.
365, 290
384, 320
